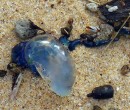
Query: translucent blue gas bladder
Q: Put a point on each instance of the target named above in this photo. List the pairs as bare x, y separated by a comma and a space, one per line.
46, 56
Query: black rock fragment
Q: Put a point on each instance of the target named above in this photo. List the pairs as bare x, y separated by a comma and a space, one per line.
102, 92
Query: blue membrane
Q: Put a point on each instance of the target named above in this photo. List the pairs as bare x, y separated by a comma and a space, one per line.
46, 56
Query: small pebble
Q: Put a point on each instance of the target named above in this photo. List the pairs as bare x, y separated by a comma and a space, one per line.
3, 73
92, 7
112, 8
105, 30
26, 29
70, 21
117, 88
125, 69
92, 29
96, 107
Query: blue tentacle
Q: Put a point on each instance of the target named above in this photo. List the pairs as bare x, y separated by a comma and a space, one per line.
64, 40
98, 43
125, 31
73, 44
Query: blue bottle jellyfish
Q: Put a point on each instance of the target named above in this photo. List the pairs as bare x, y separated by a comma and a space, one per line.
44, 55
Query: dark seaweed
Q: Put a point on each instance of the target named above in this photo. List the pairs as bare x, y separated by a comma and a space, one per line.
120, 14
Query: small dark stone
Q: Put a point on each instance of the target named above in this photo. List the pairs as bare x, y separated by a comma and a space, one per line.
96, 107
2, 73
125, 69
52, 5
102, 92
87, 37
70, 21
83, 36
100, 74
59, 2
